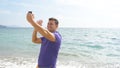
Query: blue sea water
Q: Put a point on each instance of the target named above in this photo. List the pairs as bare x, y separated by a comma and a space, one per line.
81, 48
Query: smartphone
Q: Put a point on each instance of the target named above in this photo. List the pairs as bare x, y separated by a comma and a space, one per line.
30, 12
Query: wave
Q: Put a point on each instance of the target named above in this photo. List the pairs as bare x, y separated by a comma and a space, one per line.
17, 62
25, 62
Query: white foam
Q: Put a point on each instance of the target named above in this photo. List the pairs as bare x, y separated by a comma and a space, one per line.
31, 63
28, 65
22, 63
4, 64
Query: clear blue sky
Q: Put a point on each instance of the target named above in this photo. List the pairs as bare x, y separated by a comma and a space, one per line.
70, 13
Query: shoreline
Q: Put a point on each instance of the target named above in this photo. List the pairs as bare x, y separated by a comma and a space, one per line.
22, 62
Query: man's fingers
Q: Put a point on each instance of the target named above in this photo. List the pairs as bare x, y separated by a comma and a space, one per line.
33, 15
40, 22
29, 17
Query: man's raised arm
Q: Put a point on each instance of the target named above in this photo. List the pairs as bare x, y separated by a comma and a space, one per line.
34, 37
44, 32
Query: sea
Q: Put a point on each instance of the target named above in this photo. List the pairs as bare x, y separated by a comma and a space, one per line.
80, 48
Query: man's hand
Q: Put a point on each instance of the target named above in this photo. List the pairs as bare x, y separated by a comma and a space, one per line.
40, 22
30, 17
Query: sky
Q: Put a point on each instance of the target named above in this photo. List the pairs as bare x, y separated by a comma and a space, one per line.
70, 13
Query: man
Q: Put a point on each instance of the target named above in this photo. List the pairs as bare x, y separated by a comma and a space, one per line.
50, 42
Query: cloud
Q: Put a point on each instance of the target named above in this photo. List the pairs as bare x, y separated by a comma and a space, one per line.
98, 4
26, 5
92, 13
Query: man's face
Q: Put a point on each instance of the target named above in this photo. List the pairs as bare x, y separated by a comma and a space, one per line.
51, 26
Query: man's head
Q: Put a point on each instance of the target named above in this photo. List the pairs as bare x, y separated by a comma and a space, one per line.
52, 24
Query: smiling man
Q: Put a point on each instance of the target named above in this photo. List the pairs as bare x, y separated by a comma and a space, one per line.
50, 42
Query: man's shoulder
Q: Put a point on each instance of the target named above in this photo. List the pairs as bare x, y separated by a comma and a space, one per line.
57, 33
58, 36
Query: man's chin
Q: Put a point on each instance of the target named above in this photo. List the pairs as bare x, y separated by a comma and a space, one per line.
48, 29
51, 30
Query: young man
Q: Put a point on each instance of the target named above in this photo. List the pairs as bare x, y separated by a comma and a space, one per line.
50, 42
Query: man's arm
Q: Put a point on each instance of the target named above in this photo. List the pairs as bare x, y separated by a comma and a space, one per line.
44, 32
34, 37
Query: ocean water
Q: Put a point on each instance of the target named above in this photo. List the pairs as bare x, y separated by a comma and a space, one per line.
81, 48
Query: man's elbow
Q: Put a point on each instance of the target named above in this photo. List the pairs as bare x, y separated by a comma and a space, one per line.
36, 41
33, 41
